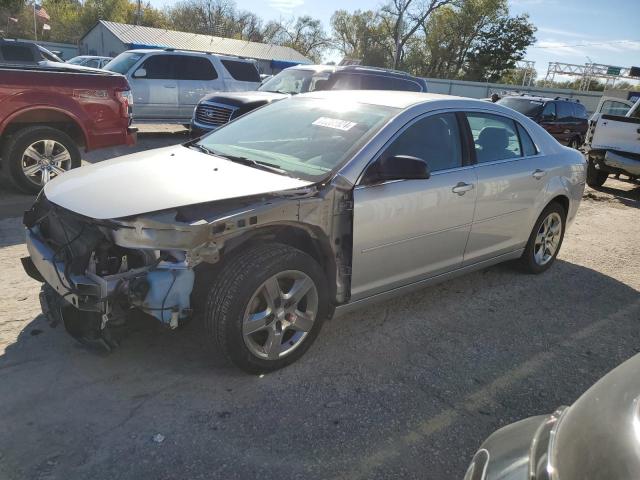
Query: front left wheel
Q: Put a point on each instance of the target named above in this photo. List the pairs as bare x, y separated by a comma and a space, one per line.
266, 307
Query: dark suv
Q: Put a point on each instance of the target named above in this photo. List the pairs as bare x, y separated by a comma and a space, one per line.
16, 52
217, 109
564, 118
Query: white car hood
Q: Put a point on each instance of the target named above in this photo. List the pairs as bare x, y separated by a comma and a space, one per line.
157, 180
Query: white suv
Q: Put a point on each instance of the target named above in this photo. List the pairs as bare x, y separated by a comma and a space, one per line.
167, 84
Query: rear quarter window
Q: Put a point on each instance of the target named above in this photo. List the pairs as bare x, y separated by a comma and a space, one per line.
242, 71
579, 111
17, 53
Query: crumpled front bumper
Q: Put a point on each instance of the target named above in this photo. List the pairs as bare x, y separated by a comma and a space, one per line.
162, 290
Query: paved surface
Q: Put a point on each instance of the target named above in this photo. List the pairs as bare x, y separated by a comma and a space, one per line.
405, 389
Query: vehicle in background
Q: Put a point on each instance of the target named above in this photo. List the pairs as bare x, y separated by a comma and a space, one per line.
47, 113
595, 438
613, 142
18, 52
324, 201
565, 119
91, 61
216, 109
168, 84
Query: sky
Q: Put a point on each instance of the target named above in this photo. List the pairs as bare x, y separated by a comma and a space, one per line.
569, 31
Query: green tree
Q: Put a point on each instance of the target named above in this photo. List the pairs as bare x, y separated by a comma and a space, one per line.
360, 35
499, 47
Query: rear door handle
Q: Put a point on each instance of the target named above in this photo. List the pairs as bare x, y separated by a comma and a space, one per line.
538, 174
461, 188
169, 86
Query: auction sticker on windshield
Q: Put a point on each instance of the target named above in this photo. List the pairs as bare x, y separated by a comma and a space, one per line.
335, 123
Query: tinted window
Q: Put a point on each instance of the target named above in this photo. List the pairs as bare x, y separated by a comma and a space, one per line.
549, 111
579, 111
159, 67
17, 53
194, 68
525, 106
564, 111
494, 136
379, 82
435, 139
528, 147
243, 71
93, 63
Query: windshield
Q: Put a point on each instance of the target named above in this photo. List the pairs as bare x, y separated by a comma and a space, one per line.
526, 106
294, 81
123, 62
304, 138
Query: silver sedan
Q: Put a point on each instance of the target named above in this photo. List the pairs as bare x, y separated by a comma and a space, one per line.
303, 209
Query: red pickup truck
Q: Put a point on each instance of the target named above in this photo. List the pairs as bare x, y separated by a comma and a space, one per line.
47, 113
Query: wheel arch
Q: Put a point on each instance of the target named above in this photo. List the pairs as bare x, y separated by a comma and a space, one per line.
303, 237
47, 117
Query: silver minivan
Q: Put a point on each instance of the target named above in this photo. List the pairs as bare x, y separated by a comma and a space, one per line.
167, 84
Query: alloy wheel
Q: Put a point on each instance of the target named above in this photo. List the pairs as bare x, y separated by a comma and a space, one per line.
44, 160
280, 315
547, 239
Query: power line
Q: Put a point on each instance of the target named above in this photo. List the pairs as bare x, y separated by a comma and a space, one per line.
562, 45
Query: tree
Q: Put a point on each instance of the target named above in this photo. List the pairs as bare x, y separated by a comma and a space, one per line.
403, 18
499, 48
360, 35
305, 35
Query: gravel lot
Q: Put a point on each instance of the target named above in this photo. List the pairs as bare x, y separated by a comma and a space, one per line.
405, 389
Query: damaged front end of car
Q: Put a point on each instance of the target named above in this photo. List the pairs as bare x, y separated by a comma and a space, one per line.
95, 271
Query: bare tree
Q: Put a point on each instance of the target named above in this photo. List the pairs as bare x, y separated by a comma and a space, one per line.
403, 18
305, 35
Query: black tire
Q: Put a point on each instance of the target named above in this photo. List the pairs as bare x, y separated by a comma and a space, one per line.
528, 261
233, 288
595, 177
19, 141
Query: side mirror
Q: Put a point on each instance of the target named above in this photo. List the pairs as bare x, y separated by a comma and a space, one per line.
397, 167
140, 73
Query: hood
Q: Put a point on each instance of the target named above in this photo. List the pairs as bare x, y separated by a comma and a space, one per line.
159, 179
241, 99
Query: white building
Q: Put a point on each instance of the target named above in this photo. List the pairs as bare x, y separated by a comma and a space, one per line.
111, 38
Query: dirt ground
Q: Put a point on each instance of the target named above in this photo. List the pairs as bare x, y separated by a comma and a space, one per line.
406, 389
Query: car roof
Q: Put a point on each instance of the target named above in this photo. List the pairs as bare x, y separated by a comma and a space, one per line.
385, 98
190, 52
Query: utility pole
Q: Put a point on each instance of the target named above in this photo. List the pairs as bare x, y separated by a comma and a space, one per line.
139, 13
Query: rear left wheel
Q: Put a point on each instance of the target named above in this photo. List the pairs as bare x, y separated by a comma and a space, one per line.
266, 306
545, 239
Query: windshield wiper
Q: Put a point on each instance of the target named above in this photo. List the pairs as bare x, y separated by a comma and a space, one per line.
252, 163
239, 159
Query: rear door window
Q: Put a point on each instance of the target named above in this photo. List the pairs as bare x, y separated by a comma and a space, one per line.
190, 67
494, 136
564, 111
345, 82
242, 71
17, 53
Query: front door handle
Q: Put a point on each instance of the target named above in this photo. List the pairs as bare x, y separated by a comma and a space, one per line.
169, 86
538, 174
461, 188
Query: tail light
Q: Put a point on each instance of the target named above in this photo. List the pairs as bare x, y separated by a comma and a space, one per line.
126, 102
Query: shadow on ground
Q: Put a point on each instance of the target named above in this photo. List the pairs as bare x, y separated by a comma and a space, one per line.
405, 389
